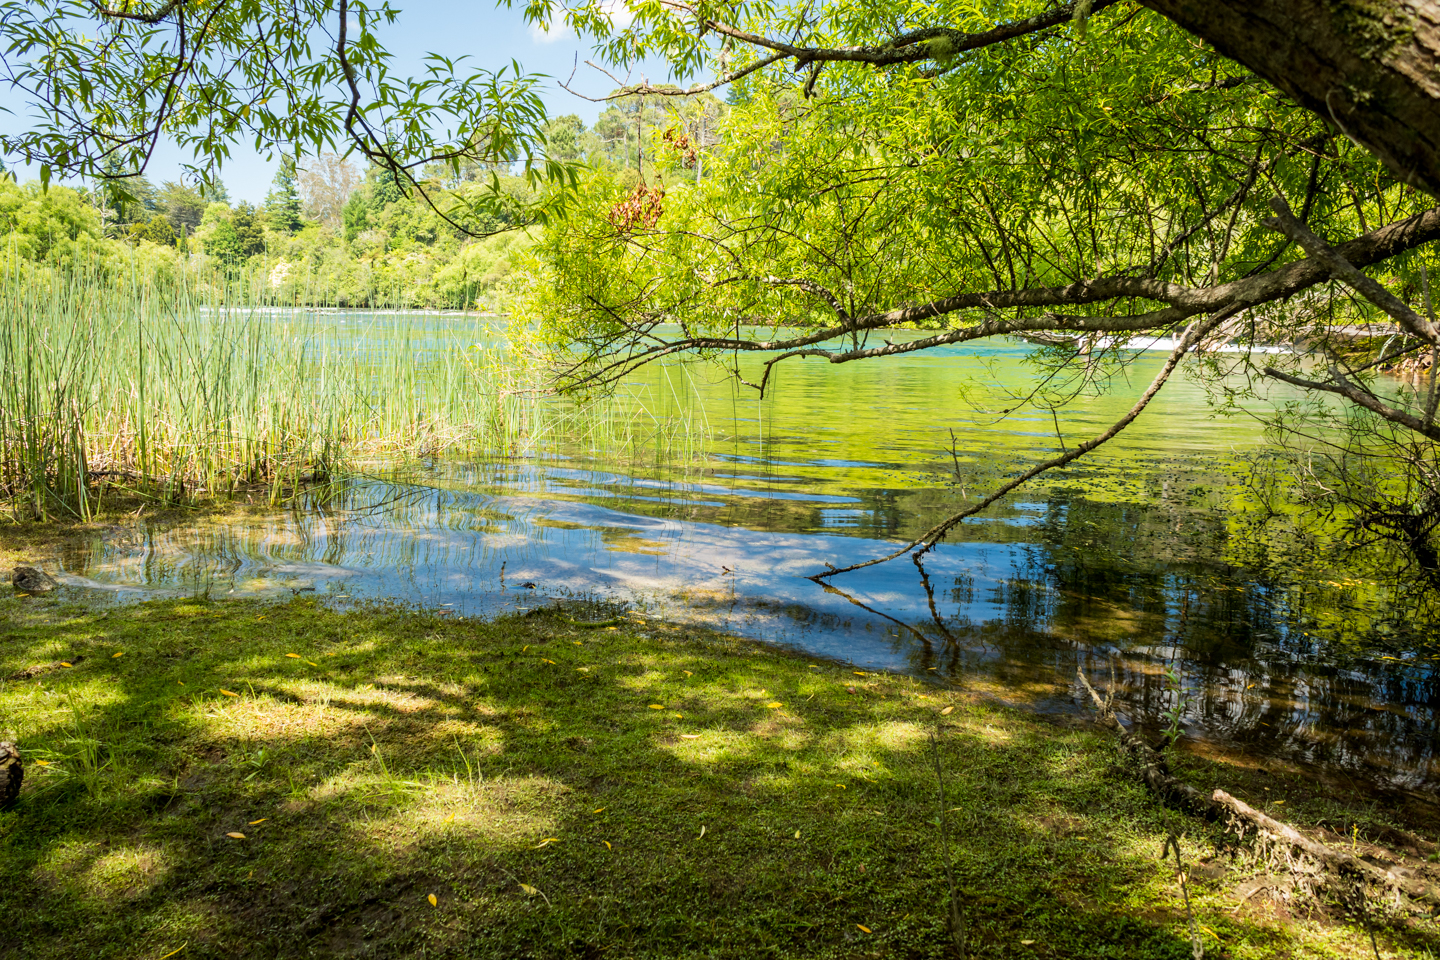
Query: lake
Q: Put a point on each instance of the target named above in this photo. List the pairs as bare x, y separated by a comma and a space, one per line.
1136, 564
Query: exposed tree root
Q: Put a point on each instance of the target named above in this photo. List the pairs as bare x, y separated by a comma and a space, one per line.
1221, 806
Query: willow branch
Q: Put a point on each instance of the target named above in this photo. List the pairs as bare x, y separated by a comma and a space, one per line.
927, 541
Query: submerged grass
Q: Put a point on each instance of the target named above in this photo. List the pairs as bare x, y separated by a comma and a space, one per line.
240, 779
171, 393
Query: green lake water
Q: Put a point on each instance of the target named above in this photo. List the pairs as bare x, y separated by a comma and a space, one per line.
1133, 560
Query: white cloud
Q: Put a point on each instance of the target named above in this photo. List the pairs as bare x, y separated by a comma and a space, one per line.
558, 31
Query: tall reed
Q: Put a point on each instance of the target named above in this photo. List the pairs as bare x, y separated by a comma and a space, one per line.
177, 389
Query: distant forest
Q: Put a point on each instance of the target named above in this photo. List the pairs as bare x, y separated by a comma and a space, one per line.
331, 232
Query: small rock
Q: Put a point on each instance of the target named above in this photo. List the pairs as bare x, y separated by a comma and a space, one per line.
30, 580
11, 773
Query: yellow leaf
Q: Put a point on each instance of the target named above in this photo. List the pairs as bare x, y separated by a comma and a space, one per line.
294, 656
531, 891
122, 653
797, 834
679, 716
181, 682
1027, 942
863, 927
433, 901
259, 618
261, 820
597, 809
64, 664
857, 673
689, 736
551, 662
577, 643
607, 844
702, 831
237, 836
842, 786
947, 711
176, 950
42, 763
583, 669
312, 663
522, 650
775, 705
228, 693
657, 706
688, 673
547, 840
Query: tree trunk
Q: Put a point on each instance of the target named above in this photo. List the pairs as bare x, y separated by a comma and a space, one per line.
1370, 67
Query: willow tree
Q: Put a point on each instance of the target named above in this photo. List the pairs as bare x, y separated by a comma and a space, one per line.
100, 84
989, 169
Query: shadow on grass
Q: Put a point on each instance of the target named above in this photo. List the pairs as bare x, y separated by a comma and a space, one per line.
560, 792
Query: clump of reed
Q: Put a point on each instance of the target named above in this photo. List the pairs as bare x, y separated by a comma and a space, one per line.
178, 390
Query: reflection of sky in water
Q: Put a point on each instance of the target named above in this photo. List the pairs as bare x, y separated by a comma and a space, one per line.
986, 614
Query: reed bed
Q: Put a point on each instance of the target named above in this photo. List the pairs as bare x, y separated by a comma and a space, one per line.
179, 391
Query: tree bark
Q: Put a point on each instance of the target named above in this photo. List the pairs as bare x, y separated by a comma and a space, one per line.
1370, 67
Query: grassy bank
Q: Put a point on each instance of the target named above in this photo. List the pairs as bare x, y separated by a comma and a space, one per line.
412, 784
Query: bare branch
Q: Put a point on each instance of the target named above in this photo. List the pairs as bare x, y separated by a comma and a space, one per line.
1342, 269
1193, 335
1338, 384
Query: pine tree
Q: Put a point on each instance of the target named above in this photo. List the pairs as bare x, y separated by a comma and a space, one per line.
282, 204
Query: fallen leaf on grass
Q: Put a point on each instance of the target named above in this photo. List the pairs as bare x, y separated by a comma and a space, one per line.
64, 664
863, 927
236, 835
607, 844
858, 673
551, 662
547, 840
583, 669
42, 763
689, 736
294, 656
842, 786
797, 834
947, 711
259, 618
687, 673
181, 682
176, 950
529, 890
657, 706
776, 705
261, 820
702, 831
1026, 942
433, 901
522, 650
312, 663
228, 693
597, 809
120, 654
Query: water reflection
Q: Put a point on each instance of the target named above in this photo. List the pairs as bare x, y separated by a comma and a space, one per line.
1015, 608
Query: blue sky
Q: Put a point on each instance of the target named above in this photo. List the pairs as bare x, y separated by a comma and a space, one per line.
491, 36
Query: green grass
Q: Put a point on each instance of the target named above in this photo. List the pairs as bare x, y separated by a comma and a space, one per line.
165, 389
772, 805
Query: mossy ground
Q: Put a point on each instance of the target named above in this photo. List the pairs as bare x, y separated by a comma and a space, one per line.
638, 791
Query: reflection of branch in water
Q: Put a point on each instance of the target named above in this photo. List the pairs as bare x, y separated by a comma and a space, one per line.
924, 640
930, 597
